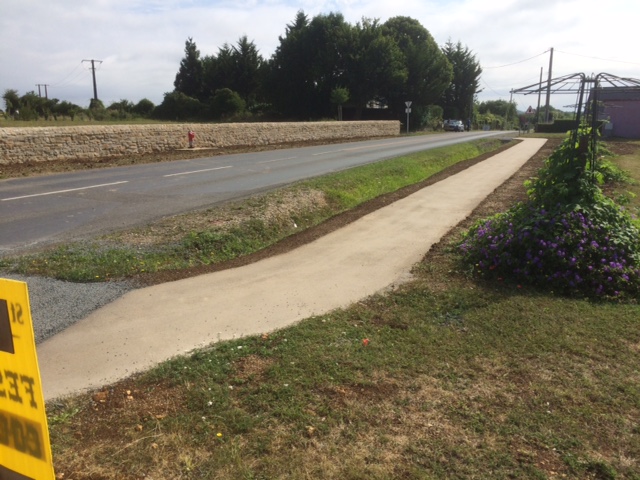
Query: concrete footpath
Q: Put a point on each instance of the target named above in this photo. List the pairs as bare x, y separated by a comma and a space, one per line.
150, 325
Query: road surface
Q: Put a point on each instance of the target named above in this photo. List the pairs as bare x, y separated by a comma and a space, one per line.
37, 211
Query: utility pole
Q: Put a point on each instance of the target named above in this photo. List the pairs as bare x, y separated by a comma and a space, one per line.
509, 110
93, 69
546, 111
46, 95
539, 94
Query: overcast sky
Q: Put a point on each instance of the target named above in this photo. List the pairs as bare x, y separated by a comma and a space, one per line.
140, 42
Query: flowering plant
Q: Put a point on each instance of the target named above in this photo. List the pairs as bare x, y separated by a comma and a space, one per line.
582, 244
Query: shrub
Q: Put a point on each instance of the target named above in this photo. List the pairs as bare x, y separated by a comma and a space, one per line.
581, 244
590, 252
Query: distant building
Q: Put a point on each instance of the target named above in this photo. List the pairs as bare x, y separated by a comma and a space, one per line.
620, 108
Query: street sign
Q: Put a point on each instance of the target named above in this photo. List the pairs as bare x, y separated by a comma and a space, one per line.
407, 111
25, 450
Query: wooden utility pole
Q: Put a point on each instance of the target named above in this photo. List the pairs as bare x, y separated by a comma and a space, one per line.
539, 95
93, 70
46, 95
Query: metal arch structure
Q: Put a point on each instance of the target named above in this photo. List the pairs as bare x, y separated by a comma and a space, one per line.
588, 106
587, 88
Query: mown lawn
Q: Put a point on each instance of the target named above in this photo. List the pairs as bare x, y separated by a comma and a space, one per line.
444, 377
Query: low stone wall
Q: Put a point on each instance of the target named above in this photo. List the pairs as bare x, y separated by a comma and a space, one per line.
38, 144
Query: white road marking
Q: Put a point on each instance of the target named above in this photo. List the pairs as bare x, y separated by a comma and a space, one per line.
63, 191
196, 171
277, 160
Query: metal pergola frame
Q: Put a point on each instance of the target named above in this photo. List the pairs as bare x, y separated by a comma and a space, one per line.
588, 90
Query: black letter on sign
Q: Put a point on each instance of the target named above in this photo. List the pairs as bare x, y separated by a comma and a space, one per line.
6, 338
4, 429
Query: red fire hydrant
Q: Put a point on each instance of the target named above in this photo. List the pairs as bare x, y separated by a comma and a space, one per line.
192, 137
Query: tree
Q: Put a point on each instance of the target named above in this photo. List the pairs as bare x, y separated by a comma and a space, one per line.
97, 110
457, 100
339, 96
247, 64
238, 68
290, 80
217, 71
226, 103
12, 101
66, 109
496, 113
178, 106
375, 69
144, 107
33, 106
429, 72
121, 110
498, 107
189, 77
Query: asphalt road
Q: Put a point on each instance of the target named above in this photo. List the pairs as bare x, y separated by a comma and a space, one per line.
37, 211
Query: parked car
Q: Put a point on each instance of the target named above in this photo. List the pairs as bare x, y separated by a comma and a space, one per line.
453, 126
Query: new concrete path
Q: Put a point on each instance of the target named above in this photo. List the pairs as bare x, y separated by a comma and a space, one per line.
149, 325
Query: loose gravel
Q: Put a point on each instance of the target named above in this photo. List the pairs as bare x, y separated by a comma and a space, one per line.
55, 304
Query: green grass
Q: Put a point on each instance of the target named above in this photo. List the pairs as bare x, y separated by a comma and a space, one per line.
457, 379
464, 384
110, 258
628, 194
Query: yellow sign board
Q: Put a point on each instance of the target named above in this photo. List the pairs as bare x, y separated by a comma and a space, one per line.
25, 451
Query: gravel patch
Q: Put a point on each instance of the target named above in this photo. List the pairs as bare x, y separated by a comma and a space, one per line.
56, 304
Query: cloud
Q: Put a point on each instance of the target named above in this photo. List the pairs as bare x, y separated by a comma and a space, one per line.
141, 42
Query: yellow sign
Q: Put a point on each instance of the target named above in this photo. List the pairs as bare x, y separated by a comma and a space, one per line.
25, 451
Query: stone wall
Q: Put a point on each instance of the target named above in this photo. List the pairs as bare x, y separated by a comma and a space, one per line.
37, 144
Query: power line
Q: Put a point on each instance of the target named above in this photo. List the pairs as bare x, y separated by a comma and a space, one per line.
598, 58
489, 87
516, 63
62, 81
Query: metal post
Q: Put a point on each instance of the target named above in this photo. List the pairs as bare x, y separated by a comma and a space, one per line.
546, 112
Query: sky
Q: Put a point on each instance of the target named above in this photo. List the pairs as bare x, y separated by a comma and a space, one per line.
139, 43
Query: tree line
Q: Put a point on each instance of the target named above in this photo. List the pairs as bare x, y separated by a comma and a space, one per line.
323, 68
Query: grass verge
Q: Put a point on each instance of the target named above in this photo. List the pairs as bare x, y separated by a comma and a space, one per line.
234, 230
442, 378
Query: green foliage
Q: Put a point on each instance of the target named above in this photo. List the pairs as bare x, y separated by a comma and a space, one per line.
226, 103
310, 62
498, 107
66, 109
214, 246
178, 106
457, 99
569, 237
121, 110
189, 77
429, 72
12, 101
339, 95
144, 108
430, 117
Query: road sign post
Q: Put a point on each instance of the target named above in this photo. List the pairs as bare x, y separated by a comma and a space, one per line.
25, 450
408, 111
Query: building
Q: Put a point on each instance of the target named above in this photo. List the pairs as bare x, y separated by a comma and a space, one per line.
620, 108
